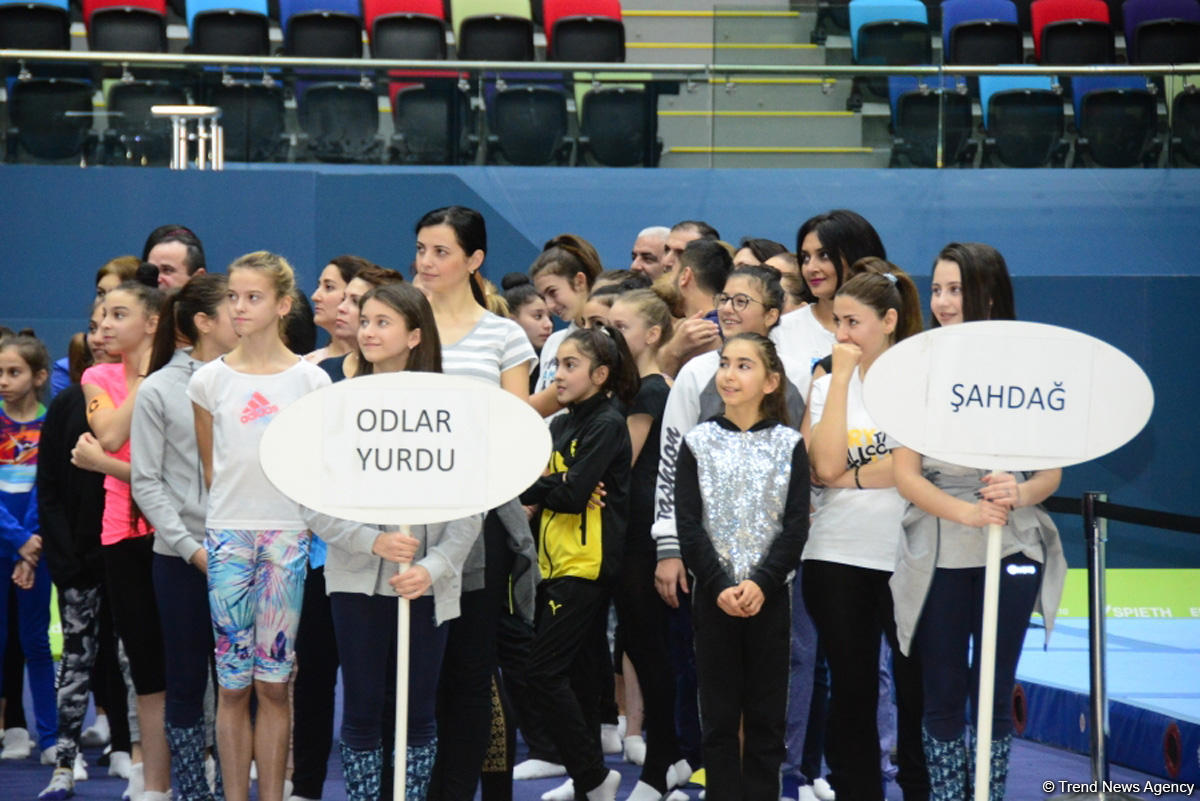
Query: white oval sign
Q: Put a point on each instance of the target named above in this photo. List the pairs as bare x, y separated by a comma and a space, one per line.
1006, 395
405, 448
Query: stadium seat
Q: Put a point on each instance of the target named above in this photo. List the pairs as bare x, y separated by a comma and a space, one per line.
133, 25
405, 28
229, 27
921, 109
584, 30
1117, 119
493, 30
528, 125
1185, 123
134, 135
618, 127
252, 117
35, 26
321, 28
980, 32
1022, 121
892, 32
1162, 31
1078, 30
49, 118
433, 124
340, 122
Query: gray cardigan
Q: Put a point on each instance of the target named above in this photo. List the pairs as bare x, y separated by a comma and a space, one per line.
167, 479
1030, 531
351, 566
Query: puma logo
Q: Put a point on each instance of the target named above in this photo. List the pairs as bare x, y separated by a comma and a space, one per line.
554, 607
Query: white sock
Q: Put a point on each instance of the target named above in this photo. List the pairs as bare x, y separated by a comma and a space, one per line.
537, 769
607, 789
563, 792
644, 792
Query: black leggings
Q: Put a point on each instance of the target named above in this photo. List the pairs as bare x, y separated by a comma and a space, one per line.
950, 620
643, 618
128, 570
464, 705
182, 593
852, 608
316, 678
365, 626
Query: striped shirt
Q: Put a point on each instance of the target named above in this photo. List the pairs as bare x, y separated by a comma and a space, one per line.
494, 345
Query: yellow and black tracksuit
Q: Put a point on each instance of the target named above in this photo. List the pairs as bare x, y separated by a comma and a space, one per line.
579, 553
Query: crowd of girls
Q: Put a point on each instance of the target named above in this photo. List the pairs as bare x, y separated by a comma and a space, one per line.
776, 563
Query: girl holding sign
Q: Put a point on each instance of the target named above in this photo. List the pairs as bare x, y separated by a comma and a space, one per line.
938, 584
580, 548
855, 533
397, 332
169, 492
256, 541
742, 510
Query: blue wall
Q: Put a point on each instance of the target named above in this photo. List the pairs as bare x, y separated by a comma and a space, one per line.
1113, 253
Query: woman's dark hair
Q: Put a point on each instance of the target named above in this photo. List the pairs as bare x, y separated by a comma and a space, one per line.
378, 276
193, 260
470, 232
567, 255
79, 357
605, 347
123, 267
299, 330
203, 294
769, 280
762, 249
411, 304
625, 280
986, 288
845, 235
882, 286
518, 290
349, 266
774, 404
145, 289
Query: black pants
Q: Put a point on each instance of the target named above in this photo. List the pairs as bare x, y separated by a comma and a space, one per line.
564, 676
950, 620
128, 568
513, 644
182, 593
643, 618
683, 665
742, 667
316, 680
852, 607
464, 703
818, 716
365, 626
13, 690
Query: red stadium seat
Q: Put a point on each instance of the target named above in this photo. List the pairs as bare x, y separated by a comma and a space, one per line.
405, 28
584, 30
1046, 12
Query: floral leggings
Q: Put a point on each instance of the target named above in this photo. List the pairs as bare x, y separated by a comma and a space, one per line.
255, 589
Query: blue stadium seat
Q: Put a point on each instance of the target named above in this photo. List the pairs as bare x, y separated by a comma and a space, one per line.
229, 27
1022, 120
1117, 119
921, 110
980, 32
322, 28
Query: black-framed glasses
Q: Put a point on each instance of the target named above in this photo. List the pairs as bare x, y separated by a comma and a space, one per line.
740, 301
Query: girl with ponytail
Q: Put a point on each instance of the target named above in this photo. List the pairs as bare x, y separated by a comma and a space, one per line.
169, 491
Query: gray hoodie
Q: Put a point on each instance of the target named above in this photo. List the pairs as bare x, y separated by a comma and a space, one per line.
167, 479
352, 566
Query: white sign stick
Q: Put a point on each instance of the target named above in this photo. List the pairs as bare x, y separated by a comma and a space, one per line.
403, 627
987, 664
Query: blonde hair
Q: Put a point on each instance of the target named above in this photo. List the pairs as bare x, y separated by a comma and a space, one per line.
273, 266
652, 309
496, 302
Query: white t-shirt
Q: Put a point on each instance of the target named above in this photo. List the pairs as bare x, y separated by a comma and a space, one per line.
494, 345
805, 341
852, 526
241, 405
